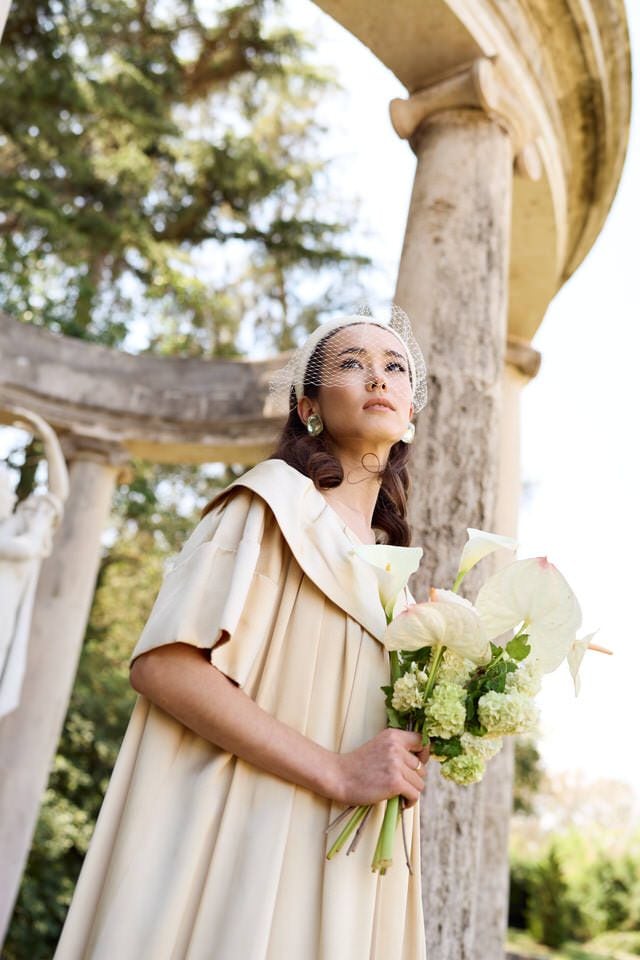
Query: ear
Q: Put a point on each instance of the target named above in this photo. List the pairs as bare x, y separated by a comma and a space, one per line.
305, 408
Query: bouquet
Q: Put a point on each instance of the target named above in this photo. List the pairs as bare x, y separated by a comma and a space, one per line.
465, 675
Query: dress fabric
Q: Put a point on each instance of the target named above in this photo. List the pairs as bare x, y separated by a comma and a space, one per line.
198, 855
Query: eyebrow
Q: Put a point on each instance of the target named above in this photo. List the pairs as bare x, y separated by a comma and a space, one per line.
387, 353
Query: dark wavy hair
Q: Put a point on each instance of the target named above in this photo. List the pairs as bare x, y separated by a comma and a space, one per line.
312, 457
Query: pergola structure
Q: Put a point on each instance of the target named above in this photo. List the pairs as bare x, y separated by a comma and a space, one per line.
518, 113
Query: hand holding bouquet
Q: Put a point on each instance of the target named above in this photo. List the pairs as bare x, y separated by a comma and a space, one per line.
451, 679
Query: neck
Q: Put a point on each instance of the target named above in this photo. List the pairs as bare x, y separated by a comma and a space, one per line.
359, 489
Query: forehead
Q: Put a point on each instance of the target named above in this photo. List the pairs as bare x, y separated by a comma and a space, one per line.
365, 336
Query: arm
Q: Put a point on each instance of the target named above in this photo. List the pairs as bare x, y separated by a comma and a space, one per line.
179, 680
58, 476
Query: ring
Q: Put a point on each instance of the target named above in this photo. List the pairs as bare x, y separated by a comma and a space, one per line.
419, 765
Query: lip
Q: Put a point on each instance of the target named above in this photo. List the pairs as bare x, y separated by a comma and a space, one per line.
378, 402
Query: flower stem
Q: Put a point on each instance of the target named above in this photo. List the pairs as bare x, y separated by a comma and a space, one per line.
458, 581
394, 664
433, 670
353, 823
383, 856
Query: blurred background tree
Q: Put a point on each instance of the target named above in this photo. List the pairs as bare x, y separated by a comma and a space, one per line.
163, 188
161, 163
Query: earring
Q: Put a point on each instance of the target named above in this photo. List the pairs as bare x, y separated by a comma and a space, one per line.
409, 434
315, 425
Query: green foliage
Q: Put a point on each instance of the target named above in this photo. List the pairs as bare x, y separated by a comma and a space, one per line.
518, 648
163, 162
551, 913
576, 891
493, 676
446, 748
528, 774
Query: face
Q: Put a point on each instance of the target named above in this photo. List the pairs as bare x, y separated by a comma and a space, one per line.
365, 393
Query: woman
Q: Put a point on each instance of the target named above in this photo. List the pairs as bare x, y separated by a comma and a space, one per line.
260, 714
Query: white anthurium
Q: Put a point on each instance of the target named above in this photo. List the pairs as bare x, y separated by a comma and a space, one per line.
533, 593
446, 620
575, 656
480, 544
393, 566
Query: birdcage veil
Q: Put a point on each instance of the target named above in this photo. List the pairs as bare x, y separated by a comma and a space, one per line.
311, 363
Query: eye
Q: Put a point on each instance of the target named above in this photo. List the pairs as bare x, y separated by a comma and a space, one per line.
397, 366
350, 363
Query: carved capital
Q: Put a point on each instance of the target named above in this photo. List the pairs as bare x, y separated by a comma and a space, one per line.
476, 86
102, 450
521, 355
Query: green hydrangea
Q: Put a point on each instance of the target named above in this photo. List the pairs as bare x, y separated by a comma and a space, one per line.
464, 769
506, 713
483, 748
526, 679
445, 711
408, 691
454, 668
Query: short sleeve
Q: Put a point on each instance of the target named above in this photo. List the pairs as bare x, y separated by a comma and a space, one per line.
205, 594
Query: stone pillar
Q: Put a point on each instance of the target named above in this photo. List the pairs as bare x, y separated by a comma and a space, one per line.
492, 899
453, 282
29, 735
4, 13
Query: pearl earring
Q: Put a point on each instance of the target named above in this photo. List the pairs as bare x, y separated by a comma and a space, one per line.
409, 434
315, 425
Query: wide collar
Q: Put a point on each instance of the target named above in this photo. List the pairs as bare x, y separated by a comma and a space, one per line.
319, 540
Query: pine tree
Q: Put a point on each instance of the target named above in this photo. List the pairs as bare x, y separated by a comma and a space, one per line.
161, 162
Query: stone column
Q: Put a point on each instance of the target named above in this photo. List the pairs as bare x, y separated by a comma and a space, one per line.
492, 901
452, 282
4, 13
29, 735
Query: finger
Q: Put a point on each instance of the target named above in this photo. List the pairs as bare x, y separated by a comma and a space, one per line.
424, 755
417, 763
410, 739
410, 794
415, 778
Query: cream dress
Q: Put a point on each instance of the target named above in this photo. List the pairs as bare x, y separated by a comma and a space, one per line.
198, 855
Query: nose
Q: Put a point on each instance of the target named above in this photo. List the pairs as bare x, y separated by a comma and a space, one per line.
374, 381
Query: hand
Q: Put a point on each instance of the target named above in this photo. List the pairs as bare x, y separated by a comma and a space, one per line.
383, 767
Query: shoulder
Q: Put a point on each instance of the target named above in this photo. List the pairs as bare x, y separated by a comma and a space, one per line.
274, 481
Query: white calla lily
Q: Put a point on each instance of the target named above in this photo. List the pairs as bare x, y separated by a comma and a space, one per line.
453, 624
575, 656
393, 566
535, 593
480, 544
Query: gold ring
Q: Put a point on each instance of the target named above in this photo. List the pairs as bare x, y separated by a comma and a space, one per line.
419, 765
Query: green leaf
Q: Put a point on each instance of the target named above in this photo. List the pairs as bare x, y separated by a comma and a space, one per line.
518, 648
393, 719
446, 748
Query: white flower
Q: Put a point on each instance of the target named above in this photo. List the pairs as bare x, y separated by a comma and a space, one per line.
575, 656
484, 748
455, 625
526, 679
408, 692
480, 544
533, 591
454, 669
506, 713
464, 770
393, 566
445, 711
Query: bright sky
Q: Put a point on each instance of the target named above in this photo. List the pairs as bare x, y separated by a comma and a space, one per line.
580, 447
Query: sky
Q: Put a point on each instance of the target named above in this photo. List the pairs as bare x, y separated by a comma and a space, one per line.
580, 451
